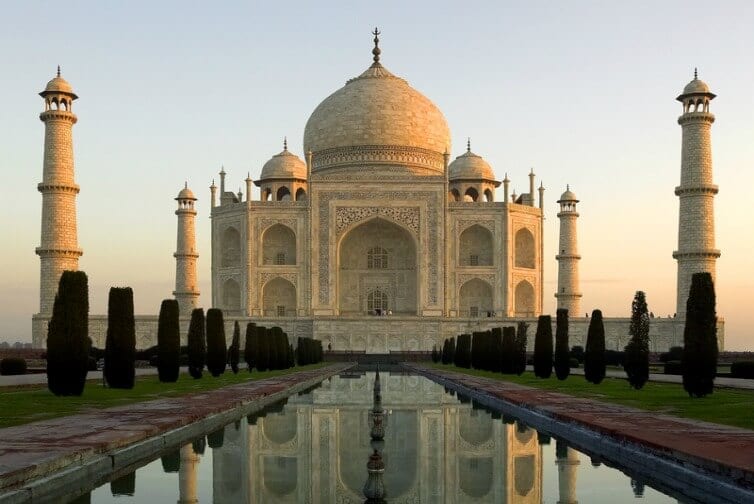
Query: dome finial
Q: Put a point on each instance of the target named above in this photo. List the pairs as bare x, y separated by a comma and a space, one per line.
695, 74
376, 51
58, 70
468, 144
568, 187
285, 143
185, 184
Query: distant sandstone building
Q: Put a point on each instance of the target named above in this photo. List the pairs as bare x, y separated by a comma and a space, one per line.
378, 239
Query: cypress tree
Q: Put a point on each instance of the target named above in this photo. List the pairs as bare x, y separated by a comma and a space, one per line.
452, 351
543, 347
463, 351
509, 350
562, 353
217, 350
120, 345
171, 461
477, 350
168, 342
520, 364
264, 348
699, 359
68, 340
199, 445
125, 485
445, 356
250, 346
197, 345
496, 355
594, 356
274, 345
291, 356
636, 362
235, 350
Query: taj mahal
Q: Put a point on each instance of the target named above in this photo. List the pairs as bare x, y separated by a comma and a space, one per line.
378, 237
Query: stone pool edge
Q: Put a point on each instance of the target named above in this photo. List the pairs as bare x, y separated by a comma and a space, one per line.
59, 477
673, 470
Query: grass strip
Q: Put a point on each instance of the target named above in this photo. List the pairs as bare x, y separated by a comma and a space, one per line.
724, 406
24, 404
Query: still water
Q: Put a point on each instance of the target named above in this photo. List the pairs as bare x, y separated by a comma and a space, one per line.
314, 447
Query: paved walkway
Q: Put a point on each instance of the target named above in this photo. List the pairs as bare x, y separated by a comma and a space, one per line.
718, 448
31, 451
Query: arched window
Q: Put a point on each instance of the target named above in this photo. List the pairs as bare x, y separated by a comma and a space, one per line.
266, 194
377, 300
488, 196
284, 194
525, 252
377, 258
475, 247
301, 194
231, 248
455, 195
279, 298
471, 194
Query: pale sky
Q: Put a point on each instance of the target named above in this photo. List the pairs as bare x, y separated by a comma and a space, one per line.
585, 95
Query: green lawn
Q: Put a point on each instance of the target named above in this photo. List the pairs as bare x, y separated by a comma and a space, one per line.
725, 406
20, 405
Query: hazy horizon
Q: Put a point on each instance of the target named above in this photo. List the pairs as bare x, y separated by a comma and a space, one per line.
586, 96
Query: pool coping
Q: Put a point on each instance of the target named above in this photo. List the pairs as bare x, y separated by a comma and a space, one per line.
672, 469
74, 469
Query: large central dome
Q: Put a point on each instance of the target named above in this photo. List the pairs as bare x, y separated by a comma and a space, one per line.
377, 118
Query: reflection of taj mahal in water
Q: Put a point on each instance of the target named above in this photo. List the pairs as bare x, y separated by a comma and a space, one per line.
437, 449
378, 218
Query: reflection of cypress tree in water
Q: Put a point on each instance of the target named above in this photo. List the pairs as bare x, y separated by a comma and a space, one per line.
638, 488
83, 499
171, 462
199, 445
374, 488
125, 485
216, 439
543, 439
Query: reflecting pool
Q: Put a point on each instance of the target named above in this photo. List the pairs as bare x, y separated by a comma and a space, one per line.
438, 447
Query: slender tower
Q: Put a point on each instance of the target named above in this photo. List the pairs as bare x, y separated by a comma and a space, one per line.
58, 250
569, 296
696, 219
186, 292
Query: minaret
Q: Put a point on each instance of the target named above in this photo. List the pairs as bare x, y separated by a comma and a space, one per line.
58, 250
186, 292
568, 294
567, 460
696, 220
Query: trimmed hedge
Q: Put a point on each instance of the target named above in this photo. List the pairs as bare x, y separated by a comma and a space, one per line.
217, 350
700, 337
168, 342
12, 366
742, 369
543, 347
562, 349
595, 355
251, 346
68, 340
197, 345
235, 348
673, 367
120, 343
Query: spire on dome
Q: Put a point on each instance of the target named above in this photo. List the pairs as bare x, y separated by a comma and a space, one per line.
468, 144
285, 143
58, 70
376, 51
695, 74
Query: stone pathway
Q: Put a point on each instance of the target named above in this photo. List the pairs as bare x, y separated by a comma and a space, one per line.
718, 448
35, 450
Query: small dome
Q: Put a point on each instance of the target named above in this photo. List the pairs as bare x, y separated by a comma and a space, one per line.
470, 166
59, 85
696, 86
186, 194
568, 195
285, 165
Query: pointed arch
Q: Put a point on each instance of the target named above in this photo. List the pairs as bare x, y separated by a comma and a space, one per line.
524, 249
475, 246
283, 194
231, 248
471, 194
231, 295
279, 245
475, 298
524, 299
301, 194
279, 298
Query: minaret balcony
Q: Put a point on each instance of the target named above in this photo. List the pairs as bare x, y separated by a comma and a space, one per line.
696, 189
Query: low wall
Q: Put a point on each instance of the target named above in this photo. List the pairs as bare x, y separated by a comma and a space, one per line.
394, 333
